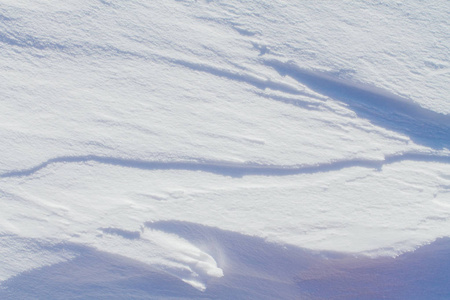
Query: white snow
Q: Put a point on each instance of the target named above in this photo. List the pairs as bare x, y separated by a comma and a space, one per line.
312, 124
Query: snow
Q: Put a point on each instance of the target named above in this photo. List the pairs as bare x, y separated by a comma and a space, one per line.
162, 142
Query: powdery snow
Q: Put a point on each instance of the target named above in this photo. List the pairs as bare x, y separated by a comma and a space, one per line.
169, 139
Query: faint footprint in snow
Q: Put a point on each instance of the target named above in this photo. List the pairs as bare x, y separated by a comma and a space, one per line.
436, 67
261, 48
442, 197
243, 32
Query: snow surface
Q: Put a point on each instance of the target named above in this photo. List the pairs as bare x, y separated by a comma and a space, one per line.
231, 149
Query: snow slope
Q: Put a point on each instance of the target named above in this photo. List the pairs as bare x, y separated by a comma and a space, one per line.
314, 126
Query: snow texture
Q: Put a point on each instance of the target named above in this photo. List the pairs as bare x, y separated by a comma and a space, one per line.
212, 149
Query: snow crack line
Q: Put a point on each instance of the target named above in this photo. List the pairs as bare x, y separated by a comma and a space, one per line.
231, 169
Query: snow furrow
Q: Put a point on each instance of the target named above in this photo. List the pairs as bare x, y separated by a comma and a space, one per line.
380, 107
230, 168
191, 149
246, 78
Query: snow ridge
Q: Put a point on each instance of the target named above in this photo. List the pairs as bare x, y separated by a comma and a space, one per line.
150, 149
379, 106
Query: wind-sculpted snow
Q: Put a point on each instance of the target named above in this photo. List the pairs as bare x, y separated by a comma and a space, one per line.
242, 78
224, 149
379, 106
229, 168
254, 268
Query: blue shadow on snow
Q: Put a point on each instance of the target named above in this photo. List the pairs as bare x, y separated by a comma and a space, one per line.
380, 107
253, 269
